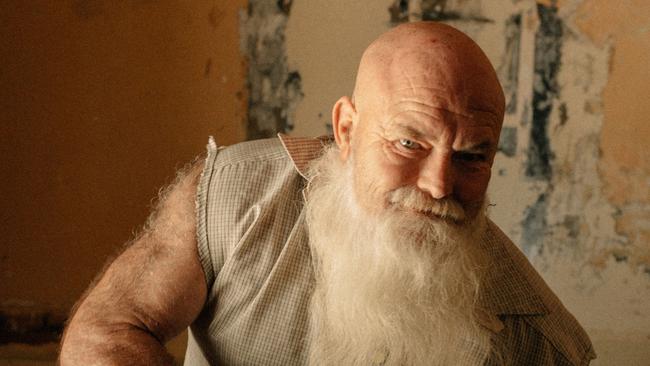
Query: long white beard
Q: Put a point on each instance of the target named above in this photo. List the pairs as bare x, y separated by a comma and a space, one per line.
398, 288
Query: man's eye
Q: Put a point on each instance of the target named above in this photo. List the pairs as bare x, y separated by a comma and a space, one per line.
470, 157
409, 144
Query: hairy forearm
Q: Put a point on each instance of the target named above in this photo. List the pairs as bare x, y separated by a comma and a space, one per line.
89, 343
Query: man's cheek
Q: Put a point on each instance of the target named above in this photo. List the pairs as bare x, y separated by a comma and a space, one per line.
472, 190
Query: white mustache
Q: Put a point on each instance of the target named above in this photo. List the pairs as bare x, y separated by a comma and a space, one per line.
411, 198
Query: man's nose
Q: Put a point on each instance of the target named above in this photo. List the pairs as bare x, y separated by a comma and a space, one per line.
437, 176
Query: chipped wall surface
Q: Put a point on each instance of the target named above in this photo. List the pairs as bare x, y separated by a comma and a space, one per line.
274, 90
571, 182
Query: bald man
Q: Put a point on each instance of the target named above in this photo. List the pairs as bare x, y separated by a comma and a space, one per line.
373, 250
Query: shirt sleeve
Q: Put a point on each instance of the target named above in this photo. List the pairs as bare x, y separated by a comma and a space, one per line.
202, 213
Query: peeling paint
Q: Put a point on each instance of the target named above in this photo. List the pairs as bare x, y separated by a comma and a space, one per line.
624, 164
508, 141
435, 10
445, 10
564, 114
399, 11
511, 74
545, 93
285, 6
534, 227
274, 90
572, 224
548, 43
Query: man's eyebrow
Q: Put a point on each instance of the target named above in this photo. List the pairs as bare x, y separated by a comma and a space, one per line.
401, 128
484, 146
410, 131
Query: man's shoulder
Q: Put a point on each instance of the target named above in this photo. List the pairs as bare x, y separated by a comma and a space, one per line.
256, 169
520, 292
261, 150
300, 151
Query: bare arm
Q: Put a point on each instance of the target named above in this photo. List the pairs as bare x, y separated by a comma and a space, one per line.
149, 294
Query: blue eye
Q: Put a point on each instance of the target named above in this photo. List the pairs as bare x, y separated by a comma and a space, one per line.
409, 144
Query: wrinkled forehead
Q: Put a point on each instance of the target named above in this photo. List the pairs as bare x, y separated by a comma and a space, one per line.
426, 69
439, 74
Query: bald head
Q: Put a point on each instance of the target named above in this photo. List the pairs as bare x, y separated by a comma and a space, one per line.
430, 55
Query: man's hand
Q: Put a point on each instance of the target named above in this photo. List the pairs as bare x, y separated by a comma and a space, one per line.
149, 294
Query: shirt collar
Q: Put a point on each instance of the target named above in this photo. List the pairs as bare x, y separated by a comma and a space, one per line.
302, 150
511, 285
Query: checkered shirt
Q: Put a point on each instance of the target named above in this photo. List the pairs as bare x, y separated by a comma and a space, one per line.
253, 247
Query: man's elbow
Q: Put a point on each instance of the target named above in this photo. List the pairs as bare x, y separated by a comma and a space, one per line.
83, 333
97, 336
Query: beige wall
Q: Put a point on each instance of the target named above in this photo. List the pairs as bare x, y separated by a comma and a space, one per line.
101, 102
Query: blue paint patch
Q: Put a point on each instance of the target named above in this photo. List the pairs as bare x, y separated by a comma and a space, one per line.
508, 141
513, 46
548, 55
548, 46
439, 11
399, 11
292, 94
534, 227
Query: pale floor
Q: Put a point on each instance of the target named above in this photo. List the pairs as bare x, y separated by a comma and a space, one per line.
45, 355
613, 350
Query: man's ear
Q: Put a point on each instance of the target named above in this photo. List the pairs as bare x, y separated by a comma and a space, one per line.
343, 116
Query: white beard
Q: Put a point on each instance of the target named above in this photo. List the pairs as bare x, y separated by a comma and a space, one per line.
397, 288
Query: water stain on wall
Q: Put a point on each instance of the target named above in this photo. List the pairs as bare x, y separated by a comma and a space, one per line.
274, 90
